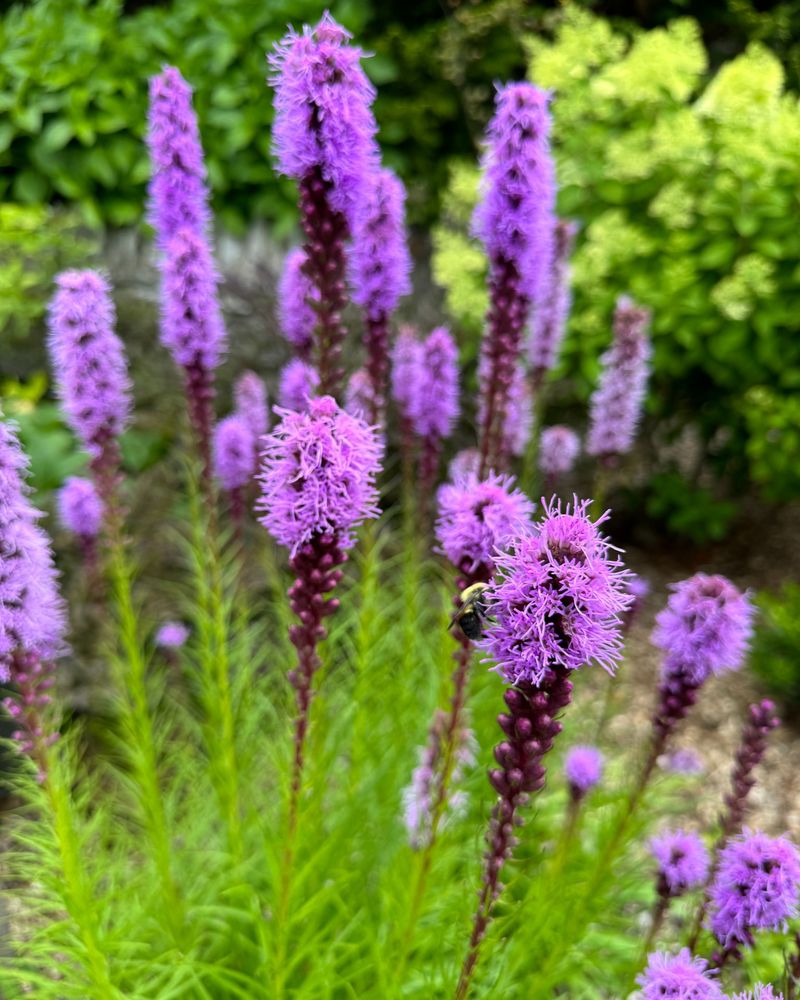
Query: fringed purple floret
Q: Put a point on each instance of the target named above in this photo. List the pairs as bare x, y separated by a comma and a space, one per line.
755, 887
318, 475
616, 404
551, 312
477, 518
296, 297
250, 403
80, 509
178, 191
558, 449
323, 117
88, 359
298, 383
678, 977
172, 635
683, 862
234, 452
558, 598
759, 992
583, 769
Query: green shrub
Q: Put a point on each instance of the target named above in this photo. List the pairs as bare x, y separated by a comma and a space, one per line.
687, 191
776, 655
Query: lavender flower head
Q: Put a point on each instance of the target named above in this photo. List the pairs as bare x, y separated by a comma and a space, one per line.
465, 463
323, 117
318, 472
638, 587
380, 263
434, 406
756, 887
191, 328
407, 362
683, 861
760, 992
557, 600
298, 384
583, 769
234, 452
616, 403
172, 635
88, 359
178, 192
678, 977
250, 403
518, 420
549, 321
296, 295
705, 628
515, 216
476, 518
32, 615
558, 450
80, 509
359, 395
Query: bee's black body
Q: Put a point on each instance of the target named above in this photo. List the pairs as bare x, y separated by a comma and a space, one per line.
471, 613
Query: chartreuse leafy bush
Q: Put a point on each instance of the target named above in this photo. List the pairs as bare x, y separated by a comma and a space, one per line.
776, 656
685, 187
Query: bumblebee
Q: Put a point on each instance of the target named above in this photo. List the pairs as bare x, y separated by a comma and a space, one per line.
471, 612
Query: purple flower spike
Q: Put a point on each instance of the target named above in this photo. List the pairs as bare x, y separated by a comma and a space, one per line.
558, 450
380, 263
563, 584
551, 312
299, 382
683, 862
178, 191
478, 518
518, 421
465, 463
616, 404
88, 360
296, 297
323, 117
407, 363
434, 408
234, 453
678, 977
760, 992
172, 635
583, 769
359, 399
756, 887
250, 403
80, 508
318, 475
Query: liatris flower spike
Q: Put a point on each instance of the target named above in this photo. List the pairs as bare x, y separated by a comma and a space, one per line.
299, 382
465, 463
359, 399
551, 312
250, 403
558, 450
518, 424
616, 404
324, 137
554, 607
434, 404
759, 992
234, 460
583, 769
80, 509
683, 862
297, 299
756, 887
90, 369
678, 977
515, 222
760, 723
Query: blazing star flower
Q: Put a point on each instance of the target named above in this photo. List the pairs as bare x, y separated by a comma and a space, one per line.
678, 977
250, 403
558, 449
178, 191
234, 452
682, 859
549, 319
358, 398
515, 216
323, 117
477, 518
434, 407
32, 616
318, 472
191, 327
465, 463
407, 362
172, 635
705, 628
756, 887
80, 509
298, 384
88, 359
760, 992
557, 600
380, 263
518, 421
296, 295
684, 761
616, 403
583, 769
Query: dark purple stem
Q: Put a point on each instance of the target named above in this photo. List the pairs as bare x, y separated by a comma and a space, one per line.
508, 310
376, 341
33, 679
430, 453
200, 398
325, 231
530, 727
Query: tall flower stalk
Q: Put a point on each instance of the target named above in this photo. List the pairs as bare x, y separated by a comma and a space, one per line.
433, 407
515, 222
324, 137
556, 607
549, 319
